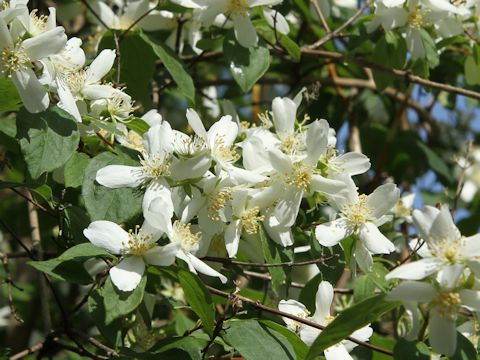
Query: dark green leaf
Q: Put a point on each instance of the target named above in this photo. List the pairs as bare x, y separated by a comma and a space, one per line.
366, 285
272, 255
65, 270
465, 349
436, 163
138, 125
246, 65
348, 321
199, 299
9, 98
121, 303
175, 67
102, 203
254, 341
300, 348
74, 170
96, 308
47, 139
405, 349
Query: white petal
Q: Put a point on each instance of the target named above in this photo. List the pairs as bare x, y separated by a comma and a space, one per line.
443, 228
363, 257
127, 274
158, 207
308, 334
280, 161
292, 307
104, 12
316, 140
471, 246
470, 298
276, 21
284, 114
286, 210
383, 199
107, 235
196, 123
100, 66
242, 177
442, 333
374, 240
224, 130
203, 268
413, 291
191, 168
97, 92
448, 276
162, 255
424, 219
279, 233
353, 163
159, 139
33, 94
244, 30
232, 237
323, 301
330, 234
327, 186
68, 102
48, 43
337, 352
117, 176
152, 117
416, 270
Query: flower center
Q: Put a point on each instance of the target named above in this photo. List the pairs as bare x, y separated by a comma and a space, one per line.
417, 18
300, 177
251, 220
447, 250
222, 152
401, 210
155, 166
292, 144
183, 234
303, 315
238, 7
135, 141
217, 201
357, 213
190, 146
75, 80
38, 23
120, 106
13, 59
447, 304
138, 243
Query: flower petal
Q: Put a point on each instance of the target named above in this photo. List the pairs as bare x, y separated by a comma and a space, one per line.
203, 268
158, 207
284, 112
33, 94
330, 234
107, 235
276, 21
100, 66
159, 139
48, 43
232, 237
244, 30
363, 257
416, 270
118, 176
337, 352
383, 199
162, 255
196, 123
442, 334
67, 101
323, 302
292, 307
413, 291
374, 240
128, 273
470, 298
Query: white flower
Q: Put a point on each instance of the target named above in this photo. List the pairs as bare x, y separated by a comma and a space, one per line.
323, 302
445, 252
137, 247
132, 139
403, 208
361, 215
189, 244
17, 55
444, 308
237, 10
472, 176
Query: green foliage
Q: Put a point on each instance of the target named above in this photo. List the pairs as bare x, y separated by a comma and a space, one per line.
199, 299
247, 66
109, 204
74, 170
349, 320
47, 139
9, 98
254, 341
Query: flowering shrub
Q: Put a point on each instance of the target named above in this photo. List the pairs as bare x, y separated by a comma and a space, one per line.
250, 179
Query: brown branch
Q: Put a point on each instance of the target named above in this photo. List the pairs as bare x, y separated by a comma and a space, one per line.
319, 12
10, 285
304, 321
227, 261
337, 32
32, 201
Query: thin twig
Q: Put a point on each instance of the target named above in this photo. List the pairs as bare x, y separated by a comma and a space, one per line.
10, 285
227, 261
270, 310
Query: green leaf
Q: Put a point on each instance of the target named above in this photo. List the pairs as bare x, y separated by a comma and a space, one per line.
390, 51
472, 71
138, 125
47, 139
272, 255
436, 163
121, 303
366, 285
64, 270
405, 349
175, 67
300, 348
465, 349
9, 98
348, 321
68, 265
254, 341
199, 299
246, 65
102, 203
74, 170
137, 64
96, 308
430, 49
